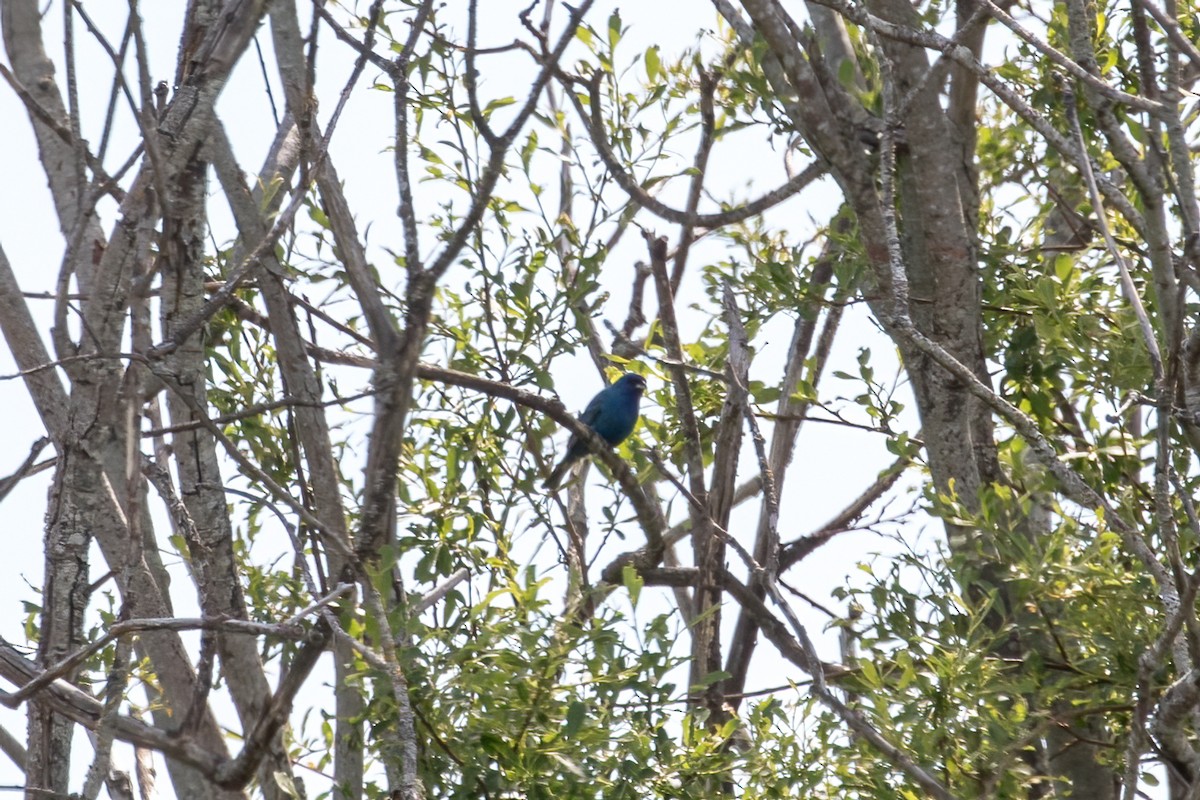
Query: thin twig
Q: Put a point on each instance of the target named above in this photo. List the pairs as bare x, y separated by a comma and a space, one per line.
1149, 339
28, 467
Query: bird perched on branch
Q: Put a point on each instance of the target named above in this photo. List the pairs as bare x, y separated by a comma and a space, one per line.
612, 414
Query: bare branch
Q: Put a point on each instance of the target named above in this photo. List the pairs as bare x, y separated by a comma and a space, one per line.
593, 121
1149, 339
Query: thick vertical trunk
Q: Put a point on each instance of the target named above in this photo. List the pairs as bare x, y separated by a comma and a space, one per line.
64, 603
937, 209
210, 540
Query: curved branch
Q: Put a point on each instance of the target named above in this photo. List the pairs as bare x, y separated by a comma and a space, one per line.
592, 120
649, 514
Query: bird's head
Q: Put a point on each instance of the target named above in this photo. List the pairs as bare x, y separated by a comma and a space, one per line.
632, 382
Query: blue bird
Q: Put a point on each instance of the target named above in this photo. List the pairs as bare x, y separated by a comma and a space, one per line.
612, 414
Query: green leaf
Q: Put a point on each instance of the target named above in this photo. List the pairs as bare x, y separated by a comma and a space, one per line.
653, 67
286, 784
1064, 265
633, 583
614, 29
846, 73
576, 714
499, 102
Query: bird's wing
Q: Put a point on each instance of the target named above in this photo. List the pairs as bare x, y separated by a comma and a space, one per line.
593, 410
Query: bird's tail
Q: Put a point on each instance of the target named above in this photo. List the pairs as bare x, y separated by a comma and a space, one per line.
552, 483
